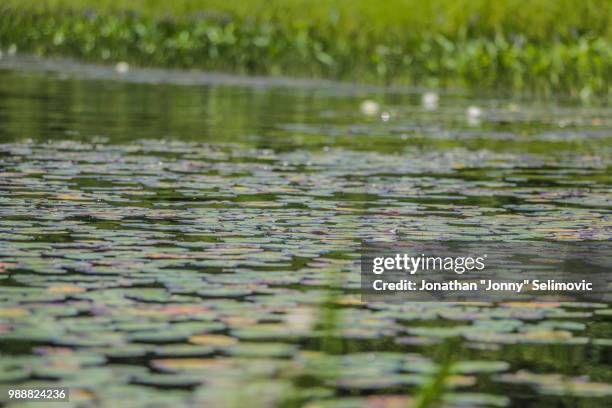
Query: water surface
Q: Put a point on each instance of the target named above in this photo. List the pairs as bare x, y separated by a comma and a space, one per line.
171, 238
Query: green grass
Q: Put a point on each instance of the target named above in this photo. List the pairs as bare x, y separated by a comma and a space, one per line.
432, 392
540, 45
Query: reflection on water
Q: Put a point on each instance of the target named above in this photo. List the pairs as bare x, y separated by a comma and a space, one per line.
175, 242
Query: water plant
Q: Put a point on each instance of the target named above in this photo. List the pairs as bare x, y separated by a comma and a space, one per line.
168, 245
432, 392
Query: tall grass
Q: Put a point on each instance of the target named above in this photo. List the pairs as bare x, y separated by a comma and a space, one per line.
541, 44
432, 392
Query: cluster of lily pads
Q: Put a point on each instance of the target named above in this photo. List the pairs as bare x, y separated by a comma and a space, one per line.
167, 273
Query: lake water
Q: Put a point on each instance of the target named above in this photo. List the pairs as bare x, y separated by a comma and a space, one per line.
170, 239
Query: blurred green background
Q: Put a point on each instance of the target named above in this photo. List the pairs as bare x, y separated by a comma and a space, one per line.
535, 46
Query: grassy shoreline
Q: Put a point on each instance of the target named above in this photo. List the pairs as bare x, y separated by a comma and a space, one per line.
539, 46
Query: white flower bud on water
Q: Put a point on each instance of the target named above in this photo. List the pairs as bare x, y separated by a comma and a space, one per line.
122, 67
369, 107
430, 100
473, 115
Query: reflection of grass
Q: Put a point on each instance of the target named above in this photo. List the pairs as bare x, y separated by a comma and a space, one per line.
518, 44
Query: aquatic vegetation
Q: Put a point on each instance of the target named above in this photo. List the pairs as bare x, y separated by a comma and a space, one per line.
155, 253
433, 392
505, 44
